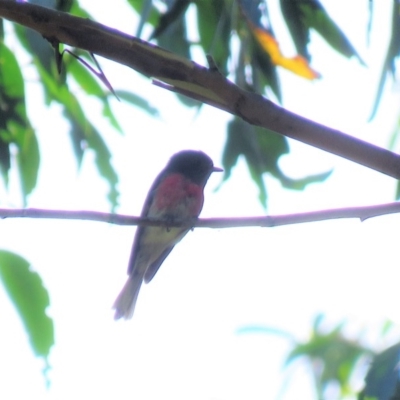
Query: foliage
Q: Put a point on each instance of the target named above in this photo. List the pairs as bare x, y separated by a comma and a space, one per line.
334, 359
218, 23
31, 299
239, 36
382, 381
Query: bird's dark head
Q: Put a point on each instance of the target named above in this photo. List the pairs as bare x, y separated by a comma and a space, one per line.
195, 165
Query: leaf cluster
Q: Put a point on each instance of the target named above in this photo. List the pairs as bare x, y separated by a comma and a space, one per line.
240, 38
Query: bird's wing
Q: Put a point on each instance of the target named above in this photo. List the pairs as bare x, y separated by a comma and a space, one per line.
140, 229
155, 265
153, 268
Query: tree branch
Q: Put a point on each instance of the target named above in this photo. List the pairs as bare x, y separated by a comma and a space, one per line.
268, 221
184, 76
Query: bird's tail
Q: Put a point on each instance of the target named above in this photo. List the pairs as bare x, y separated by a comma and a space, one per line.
124, 304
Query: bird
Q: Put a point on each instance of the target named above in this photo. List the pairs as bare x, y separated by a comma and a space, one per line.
176, 194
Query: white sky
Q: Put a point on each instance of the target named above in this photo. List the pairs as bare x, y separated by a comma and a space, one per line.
182, 342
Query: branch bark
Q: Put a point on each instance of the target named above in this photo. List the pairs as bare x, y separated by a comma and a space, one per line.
361, 213
205, 84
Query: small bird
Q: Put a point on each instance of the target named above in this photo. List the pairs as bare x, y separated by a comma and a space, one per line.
176, 194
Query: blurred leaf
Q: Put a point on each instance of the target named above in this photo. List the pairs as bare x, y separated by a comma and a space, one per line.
332, 357
382, 380
109, 115
264, 71
392, 53
1, 29
175, 12
147, 7
264, 330
315, 16
263, 34
5, 161
370, 17
60, 5
78, 11
146, 10
14, 125
138, 101
103, 164
11, 95
83, 133
297, 64
45, 3
214, 24
301, 16
40, 48
299, 32
89, 84
242, 140
83, 77
173, 37
31, 299
28, 158
301, 183
256, 13
64, 5
262, 150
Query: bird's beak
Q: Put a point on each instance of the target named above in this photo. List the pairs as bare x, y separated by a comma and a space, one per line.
217, 169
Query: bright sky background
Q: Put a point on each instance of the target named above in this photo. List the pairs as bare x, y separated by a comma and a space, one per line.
182, 342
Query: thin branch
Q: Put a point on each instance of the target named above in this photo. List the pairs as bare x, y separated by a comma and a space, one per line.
193, 80
361, 213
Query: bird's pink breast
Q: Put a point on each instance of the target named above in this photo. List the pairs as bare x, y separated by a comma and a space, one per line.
177, 196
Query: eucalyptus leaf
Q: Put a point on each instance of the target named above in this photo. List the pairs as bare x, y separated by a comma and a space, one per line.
31, 300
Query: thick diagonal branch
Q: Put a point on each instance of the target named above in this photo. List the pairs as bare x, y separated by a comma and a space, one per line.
208, 85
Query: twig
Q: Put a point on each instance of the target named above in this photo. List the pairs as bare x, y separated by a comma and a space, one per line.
361, 213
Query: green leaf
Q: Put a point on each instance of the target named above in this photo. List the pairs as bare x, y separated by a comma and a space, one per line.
78, 11
83, 133
174, 13
28, 159
64, 5
392, 53
138, 101
92, 87
109, 115
315, 16
5, 161
256, 12
172, 36
14, 124
36, 45
214, 24
300, 16
262, 149
332, 358
243, 140
264, 71
382, 380
83, 77
299, 31
30, 298
265, 330
146, 10
301, 183
370, 19
103, 164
